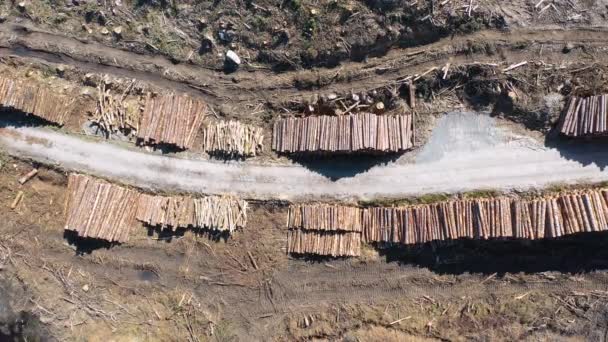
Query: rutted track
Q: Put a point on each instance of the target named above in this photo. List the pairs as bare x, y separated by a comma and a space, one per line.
466, 152
259, 84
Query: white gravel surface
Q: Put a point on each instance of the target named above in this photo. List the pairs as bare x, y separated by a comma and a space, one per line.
466, 152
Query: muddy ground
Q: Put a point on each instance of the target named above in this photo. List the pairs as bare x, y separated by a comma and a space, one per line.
188, 286
297, 54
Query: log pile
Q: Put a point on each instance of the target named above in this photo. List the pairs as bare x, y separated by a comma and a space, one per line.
324, 230
171, 119
220, 213
346, 133
553, 216
36, 99
585, 116
112, 113
232, 138
324, 243
100, 210
324, 217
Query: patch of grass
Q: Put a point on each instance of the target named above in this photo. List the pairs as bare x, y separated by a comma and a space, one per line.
481, 194
3, 159
166, 41
224, 332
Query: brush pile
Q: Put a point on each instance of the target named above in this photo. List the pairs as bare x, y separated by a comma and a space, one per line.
36, 99
171, 119
232, 138
220, 213
346, 133
100, 210
585, 116
553, 216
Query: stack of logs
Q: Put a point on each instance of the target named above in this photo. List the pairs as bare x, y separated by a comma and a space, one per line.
113, 114
171, 119
324, 230
98, 209
221, 213
232, 138
362, 132
502, 217
585, 116
34, 98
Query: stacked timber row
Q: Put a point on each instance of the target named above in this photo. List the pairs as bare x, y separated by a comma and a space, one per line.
324, 230
550, 217
324, 243
585, 116
100, 210
171, 119
36, 99
347, 133
232, 138
221, 213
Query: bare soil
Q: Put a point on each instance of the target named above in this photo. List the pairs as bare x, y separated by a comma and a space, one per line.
195, 286
179, 286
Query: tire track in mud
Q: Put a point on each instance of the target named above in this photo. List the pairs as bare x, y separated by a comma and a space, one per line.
253, 85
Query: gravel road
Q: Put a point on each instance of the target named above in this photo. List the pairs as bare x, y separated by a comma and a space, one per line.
466, 152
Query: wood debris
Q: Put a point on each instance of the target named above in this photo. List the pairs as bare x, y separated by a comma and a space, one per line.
232, 138
112, 113
98, 209
171, 119
34, 98
28, 176
221, 213
346, 133
585, 116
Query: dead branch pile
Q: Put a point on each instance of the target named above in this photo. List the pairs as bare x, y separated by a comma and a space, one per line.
346, 133
585, 116
98, 209
550, 217
220, 213
36, 99
232, 138
171, 120
324, 217
112, 113
324, 243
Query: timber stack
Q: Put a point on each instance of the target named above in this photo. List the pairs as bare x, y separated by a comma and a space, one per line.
36, 99
324, 230
171, 119
232, 138
100, 210
362, 132
219, 213
113, 114
556, 215
585, 116
333, 244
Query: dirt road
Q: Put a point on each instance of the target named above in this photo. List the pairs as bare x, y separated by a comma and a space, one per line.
466, 152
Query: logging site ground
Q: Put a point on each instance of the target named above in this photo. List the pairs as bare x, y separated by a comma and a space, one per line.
303, 170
